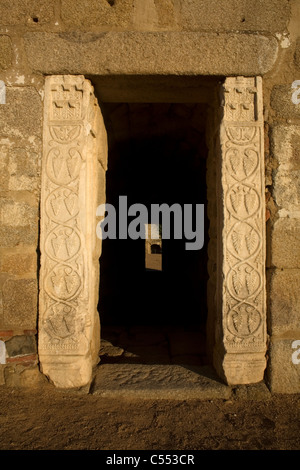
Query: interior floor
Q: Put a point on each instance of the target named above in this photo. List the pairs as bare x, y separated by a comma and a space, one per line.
154, 345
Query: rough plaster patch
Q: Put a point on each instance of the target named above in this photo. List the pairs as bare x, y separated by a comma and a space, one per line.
2, 353
2, 92
284, 40
20, 79
290, 214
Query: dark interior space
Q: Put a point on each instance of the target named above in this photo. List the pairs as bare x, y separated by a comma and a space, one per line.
157, 154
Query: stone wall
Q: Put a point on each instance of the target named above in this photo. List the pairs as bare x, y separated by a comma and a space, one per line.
283, 224
20, 149
113, 39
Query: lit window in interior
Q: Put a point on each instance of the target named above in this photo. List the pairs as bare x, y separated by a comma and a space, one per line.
153, 248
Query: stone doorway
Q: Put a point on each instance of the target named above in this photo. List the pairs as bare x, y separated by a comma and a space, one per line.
157, 154
73, 184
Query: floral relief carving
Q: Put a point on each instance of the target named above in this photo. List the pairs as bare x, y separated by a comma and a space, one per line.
74, 137
63, 256
243, 243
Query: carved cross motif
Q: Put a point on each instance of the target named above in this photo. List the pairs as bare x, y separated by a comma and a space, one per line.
69, 333
66, 104
240, 102
243, 243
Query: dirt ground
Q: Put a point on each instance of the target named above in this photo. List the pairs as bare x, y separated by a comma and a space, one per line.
49, 419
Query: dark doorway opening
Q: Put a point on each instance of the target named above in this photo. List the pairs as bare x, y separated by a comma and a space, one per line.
156, 154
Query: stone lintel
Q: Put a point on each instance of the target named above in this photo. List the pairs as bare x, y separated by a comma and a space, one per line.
151, 53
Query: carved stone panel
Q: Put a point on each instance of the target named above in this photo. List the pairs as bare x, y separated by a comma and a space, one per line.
74, 140
241, 338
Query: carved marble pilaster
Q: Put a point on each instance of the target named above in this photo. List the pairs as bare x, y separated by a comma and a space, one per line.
240, 349
74, 141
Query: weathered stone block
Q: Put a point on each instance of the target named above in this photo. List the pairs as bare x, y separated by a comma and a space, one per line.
166, 14
179, 53
15, 213
156, 381
285, 140
253, 15
18, 223
15, 12
19, 165
287, 191
255, 392
20, 303
97, 14
285, 145
21, 345
23, 376
12, 236
189, 15
281, 102
21, 116
18, 263
5, 52
283, 374
284, 246
283, 301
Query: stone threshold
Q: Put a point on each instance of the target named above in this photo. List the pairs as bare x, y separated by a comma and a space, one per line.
171, 382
